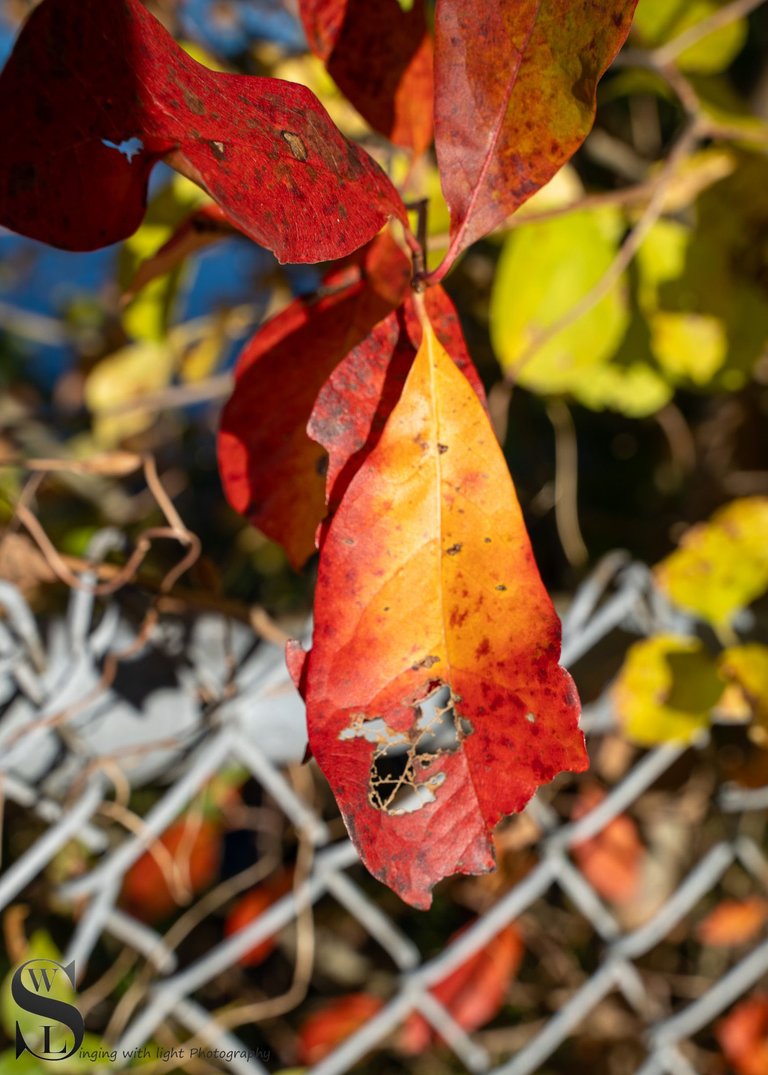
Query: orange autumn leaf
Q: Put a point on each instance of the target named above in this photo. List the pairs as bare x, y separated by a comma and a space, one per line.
184, 861
434, 698
338, 1019
733, 922
743, 1037
474, 992
612, 859
250, 906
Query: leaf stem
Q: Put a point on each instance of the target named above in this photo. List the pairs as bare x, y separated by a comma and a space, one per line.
419, 244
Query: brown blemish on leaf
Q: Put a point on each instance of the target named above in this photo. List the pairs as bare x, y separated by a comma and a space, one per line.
426, 662
483, 649
454, 549
296, 145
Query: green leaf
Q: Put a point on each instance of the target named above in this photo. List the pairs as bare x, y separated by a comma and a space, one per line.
147, 316
633, 388
666, 690
660, 21
41, 946
544, 271
722, 565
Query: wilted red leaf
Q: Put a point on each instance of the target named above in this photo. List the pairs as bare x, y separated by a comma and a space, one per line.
514, 99
474, 992
271, 471
335, 1021
206, 225
250, 906
354, 404
94, 95
434, 699
733, 922
380, 57
188, 853
612, 860
743, 1037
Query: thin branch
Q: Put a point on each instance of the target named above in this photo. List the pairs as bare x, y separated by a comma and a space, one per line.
178, 395
625, 256
717, 20
567, 484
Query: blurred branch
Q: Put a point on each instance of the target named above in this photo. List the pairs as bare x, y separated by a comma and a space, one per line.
626, 254
34, 327
179, 395
567, 484
716, 21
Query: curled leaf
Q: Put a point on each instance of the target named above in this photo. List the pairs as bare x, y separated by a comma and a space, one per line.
271, 471
91, 100
380, 56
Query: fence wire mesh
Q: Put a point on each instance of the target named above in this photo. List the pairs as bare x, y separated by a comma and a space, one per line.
190, 696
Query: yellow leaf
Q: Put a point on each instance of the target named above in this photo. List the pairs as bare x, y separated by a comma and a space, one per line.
545, 270
721, 566
121, 378
666, 690
747, 668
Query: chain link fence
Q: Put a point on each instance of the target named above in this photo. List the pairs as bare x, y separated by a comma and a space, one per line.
188, 696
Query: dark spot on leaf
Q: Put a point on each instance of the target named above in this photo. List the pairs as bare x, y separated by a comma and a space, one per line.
454, 549
426, 662
193, 102
483, 649
442, 448
501, 586
217, 148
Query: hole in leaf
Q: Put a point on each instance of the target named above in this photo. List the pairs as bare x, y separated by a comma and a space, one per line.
404, 773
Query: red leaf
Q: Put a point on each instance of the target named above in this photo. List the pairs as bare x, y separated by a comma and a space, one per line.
357, 399
250, 906
272, 472
435, 703
94, 95
336, 1020
733, 922
380, 57
611, 860
743, 1037
473, 993
514, 99
187, 855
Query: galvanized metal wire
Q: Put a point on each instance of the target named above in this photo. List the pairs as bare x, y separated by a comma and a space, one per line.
65, 740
